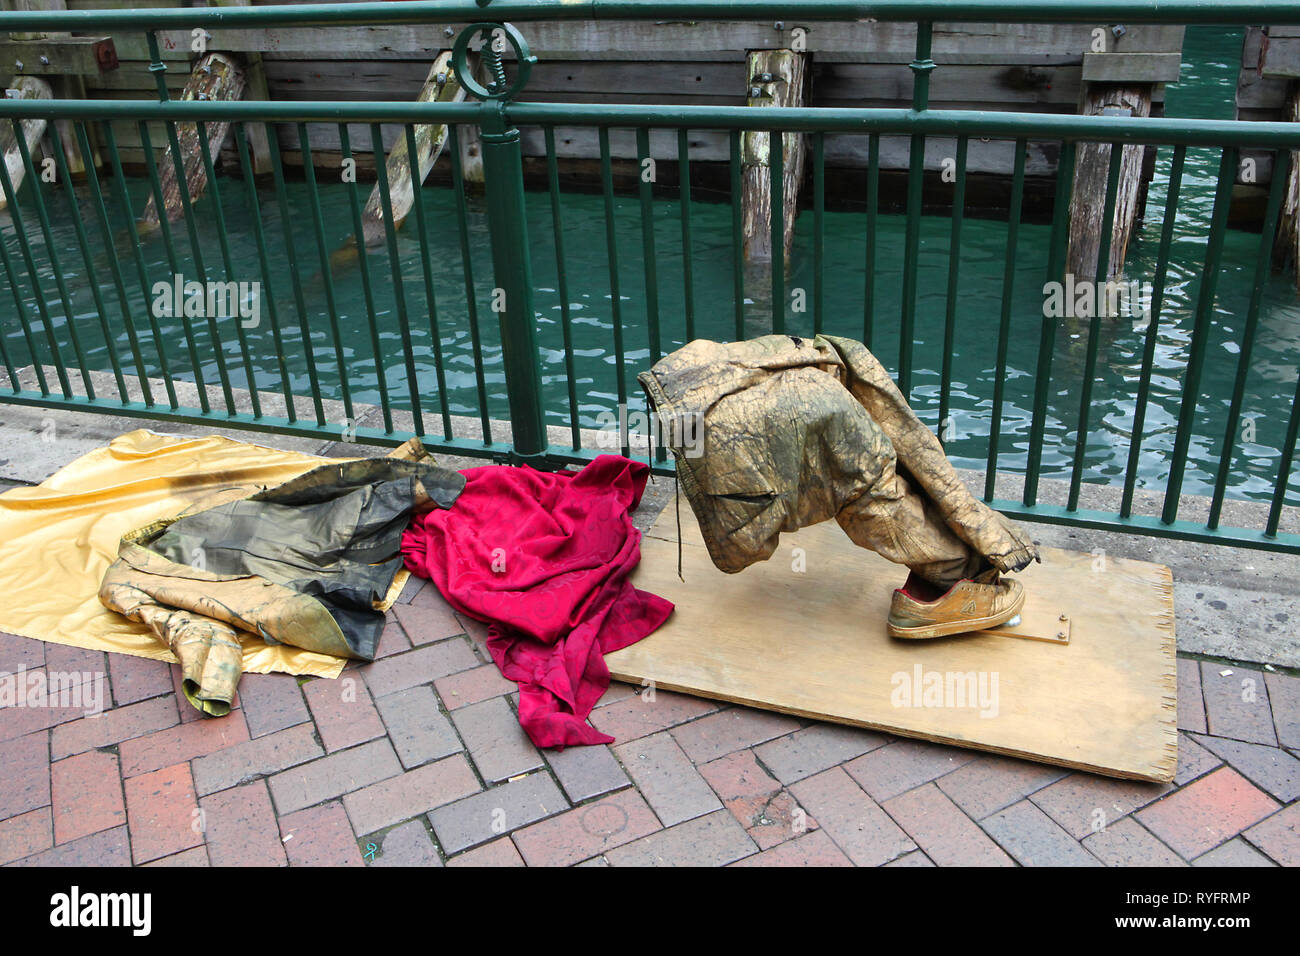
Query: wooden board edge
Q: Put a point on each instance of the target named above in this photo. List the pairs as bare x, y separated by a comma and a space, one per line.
1161, 772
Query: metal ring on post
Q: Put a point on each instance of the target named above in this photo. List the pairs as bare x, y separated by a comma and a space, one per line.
492, 59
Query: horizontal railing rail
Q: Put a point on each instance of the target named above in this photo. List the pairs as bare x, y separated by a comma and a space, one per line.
524, 11
83, 278
1152, 131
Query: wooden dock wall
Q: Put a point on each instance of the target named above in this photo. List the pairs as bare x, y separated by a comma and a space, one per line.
1035, 68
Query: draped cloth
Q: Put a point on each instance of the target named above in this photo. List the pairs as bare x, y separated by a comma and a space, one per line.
544, 559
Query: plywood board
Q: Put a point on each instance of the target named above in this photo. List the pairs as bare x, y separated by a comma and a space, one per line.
804, 633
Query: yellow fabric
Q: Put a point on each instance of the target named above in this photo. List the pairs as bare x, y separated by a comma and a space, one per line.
58, 538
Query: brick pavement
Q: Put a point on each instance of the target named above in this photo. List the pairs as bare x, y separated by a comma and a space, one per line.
417, 759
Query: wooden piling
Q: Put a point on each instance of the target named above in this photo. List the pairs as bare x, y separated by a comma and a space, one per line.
441, 86
1286, 242
27, 88
256, 88
776, 78
1088, 201
216, 76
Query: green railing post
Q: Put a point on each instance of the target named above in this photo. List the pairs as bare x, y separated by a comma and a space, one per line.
503, 180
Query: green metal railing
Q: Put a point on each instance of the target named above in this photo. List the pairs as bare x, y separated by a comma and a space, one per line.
51, 330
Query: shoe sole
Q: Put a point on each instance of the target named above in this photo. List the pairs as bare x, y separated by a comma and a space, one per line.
954, 627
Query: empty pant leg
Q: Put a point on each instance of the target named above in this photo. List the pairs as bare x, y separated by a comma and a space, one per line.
896, 522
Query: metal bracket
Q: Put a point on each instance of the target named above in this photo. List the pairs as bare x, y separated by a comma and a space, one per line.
1060, 636
498, 88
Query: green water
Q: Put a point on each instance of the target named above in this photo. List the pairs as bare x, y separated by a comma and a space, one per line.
1206, 89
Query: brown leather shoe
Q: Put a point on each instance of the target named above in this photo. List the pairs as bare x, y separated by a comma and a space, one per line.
920, 610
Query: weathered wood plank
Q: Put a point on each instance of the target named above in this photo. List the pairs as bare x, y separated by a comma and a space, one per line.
785, 87
28, 88
60, 56
440, 86
216, 76
1132, 67
1286, 243
631, 40
1087, 205
1281, 57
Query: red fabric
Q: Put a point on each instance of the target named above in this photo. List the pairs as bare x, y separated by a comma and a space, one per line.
543, 558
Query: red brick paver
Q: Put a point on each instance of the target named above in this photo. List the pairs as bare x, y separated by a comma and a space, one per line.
1213, 809
948, 836
241, 829
163, 813
87, 795
320, 836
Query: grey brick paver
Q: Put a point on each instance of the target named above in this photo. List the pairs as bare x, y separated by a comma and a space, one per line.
420, 732
1030, 835
497, 744
586, 772
250, 758
816, 748
712, 840
492, 813
1236, 703
667, 779
334, 775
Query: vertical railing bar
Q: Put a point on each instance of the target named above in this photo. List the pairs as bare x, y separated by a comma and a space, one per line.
562, 283
20, 310
1094, 324
1047, 336
611, 243
1263, 264
164, 228
1200, 333
954, 266
83, 243
395, 263
684, 198
137, 254
291, 254
326, 272
776, 205
471, 299
651, 272
1284, 466
196, 253
911, 263
737, 234
259, 238
115, 264
223, 238
367, 292
869, 263
25, 250
646, 196
42, 216
1153, 324
4, 355
422, 228
819, 232
1004, 324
